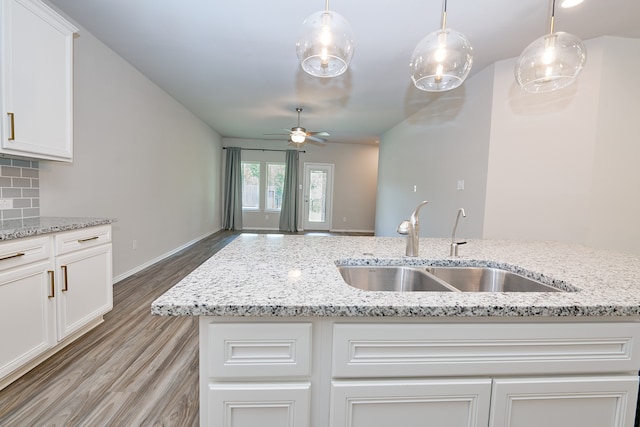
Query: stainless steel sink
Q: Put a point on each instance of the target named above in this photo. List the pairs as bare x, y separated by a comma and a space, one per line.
439, 279
392, 278
485, 279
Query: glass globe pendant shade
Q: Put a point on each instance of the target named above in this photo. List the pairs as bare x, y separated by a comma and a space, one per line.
441, 61
326, 46
550, 63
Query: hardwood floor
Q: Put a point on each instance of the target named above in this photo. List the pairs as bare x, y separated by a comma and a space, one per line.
134, 369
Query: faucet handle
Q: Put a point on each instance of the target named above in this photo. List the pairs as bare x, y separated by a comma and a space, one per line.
404, 227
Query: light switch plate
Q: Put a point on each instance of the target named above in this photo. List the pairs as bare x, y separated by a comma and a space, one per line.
6, 204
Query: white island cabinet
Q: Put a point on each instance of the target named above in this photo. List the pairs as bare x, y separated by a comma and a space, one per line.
285, 342
53, 289
37, 81
377, 373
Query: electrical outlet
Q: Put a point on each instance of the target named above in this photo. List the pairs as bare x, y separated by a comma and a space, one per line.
134, 245
6, 204
344, 219
460, 184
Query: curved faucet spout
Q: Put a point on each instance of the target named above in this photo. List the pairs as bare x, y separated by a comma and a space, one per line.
411, 228
454, 245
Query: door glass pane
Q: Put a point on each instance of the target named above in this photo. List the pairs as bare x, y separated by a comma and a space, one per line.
317, 195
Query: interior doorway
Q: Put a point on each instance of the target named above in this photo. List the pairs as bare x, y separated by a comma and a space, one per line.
318, 196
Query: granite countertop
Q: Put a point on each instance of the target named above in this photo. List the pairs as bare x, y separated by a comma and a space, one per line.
18, 228
296, 275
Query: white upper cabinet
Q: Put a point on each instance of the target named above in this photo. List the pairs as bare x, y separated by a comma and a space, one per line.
37, 81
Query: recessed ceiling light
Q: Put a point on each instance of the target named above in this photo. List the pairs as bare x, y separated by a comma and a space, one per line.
570, 3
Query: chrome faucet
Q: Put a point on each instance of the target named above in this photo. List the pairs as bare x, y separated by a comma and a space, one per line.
454, 245
411, 228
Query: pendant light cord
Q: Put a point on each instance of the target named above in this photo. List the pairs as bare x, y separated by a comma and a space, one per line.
326, 6
444, 14
553, 16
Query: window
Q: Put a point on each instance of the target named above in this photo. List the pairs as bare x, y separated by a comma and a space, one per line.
254, 179
275, 186
250, 185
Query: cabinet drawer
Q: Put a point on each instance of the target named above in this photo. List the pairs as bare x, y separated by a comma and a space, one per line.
258, 350
262, 404
14, 253
410, 350
70, 241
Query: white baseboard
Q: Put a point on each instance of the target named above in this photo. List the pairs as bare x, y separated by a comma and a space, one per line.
149, 263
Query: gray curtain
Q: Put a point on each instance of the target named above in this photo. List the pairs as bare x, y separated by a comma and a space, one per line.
289, 209
233, 190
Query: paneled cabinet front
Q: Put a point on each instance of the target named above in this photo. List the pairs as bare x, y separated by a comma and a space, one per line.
255, 374
53, 289
27, 308
37, 81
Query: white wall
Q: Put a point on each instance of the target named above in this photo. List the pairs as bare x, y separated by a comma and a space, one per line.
558, 166
140, 157
615, 205
564, 166
446, 141
355, 177
541, 156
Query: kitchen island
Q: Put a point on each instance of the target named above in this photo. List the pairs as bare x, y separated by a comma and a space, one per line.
284, 341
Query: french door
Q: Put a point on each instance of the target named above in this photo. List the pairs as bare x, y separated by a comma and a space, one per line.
318, 196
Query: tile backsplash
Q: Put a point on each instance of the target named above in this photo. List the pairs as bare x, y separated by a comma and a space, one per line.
20, 188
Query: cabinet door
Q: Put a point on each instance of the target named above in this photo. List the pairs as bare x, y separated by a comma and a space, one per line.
37, 81
410, 403
260, 404
27, 314
86, 291
567, 402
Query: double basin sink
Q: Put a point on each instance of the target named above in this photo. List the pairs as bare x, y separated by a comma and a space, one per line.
439, 279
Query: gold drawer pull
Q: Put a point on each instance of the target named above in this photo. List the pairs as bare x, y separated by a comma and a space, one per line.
13, 129
52, 289
65, 283
88, 239
16, 255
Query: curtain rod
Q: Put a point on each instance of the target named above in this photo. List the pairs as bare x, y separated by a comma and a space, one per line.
265, 149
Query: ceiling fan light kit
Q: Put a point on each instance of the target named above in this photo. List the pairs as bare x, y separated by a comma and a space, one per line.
326, 46
551, 62
442, 60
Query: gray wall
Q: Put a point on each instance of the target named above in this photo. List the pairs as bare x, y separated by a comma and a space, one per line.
140, 157
354, 189
445, 142
555, 166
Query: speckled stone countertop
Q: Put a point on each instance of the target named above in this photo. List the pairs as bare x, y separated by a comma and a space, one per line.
18, 228
296, 275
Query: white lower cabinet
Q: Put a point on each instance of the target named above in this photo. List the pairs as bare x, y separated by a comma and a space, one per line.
27, 315
53, 289
592, 401
85, 289
327, 372
410, 403
264, 405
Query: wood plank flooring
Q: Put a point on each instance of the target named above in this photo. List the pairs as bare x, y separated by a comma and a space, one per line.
133, 370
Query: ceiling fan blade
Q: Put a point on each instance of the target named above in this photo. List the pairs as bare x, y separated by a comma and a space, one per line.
316, 139
318, 133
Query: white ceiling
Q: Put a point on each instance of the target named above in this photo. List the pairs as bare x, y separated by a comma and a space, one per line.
233, 62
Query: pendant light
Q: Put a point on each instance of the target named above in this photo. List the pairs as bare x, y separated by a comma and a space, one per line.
442, 60
551, 62
326, 47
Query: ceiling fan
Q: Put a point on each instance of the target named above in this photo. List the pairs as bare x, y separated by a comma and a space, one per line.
299, 135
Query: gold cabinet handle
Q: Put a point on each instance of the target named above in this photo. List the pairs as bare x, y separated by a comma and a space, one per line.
16, 255
65, 283
88, 239
12, 137
52, 288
